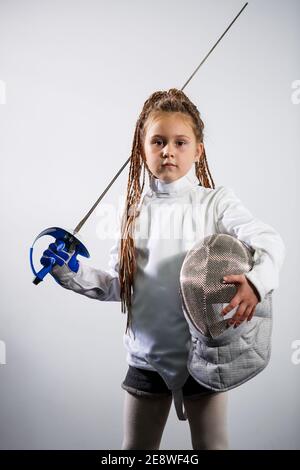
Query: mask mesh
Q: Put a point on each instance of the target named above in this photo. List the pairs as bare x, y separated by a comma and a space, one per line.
202, 291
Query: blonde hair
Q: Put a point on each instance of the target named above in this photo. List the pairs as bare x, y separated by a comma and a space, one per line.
171, 101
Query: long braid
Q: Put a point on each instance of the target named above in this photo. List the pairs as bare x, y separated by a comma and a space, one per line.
173, 100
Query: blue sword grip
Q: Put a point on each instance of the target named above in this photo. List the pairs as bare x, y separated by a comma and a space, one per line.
42, 273
58, 234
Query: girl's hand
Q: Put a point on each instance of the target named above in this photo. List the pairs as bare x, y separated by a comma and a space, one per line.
246, 297
60, 258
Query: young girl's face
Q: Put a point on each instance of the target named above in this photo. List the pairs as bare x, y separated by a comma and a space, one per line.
170, 139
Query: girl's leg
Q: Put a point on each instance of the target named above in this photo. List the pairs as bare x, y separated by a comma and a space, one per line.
207, 416
144, 421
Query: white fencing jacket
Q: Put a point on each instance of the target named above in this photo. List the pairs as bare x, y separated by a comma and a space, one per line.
173, 217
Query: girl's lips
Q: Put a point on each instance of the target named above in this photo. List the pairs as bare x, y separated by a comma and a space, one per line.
169, 164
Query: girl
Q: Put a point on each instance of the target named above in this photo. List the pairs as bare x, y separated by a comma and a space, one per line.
180, 207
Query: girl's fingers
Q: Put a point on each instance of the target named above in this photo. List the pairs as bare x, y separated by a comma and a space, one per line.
251, 314
247, 313
50, 254
46, 261
58, 250
60, 244
238, 314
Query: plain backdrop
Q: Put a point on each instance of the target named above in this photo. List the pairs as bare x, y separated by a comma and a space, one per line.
76, 75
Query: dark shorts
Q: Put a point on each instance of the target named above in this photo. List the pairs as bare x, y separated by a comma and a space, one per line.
149, 383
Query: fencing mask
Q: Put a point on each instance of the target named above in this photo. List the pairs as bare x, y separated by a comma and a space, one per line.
222, 357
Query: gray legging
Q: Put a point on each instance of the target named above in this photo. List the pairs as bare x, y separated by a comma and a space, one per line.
144, 421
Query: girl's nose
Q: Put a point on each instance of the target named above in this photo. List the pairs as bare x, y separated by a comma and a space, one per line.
168, 150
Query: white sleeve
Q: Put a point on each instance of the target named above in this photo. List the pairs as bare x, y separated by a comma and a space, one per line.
236, 220
92, 282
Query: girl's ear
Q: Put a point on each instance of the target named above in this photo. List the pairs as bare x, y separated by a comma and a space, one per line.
200, 149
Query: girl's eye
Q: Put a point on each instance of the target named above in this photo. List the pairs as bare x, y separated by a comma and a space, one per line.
160, 141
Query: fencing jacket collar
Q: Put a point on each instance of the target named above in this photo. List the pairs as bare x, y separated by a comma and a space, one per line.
182, 184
